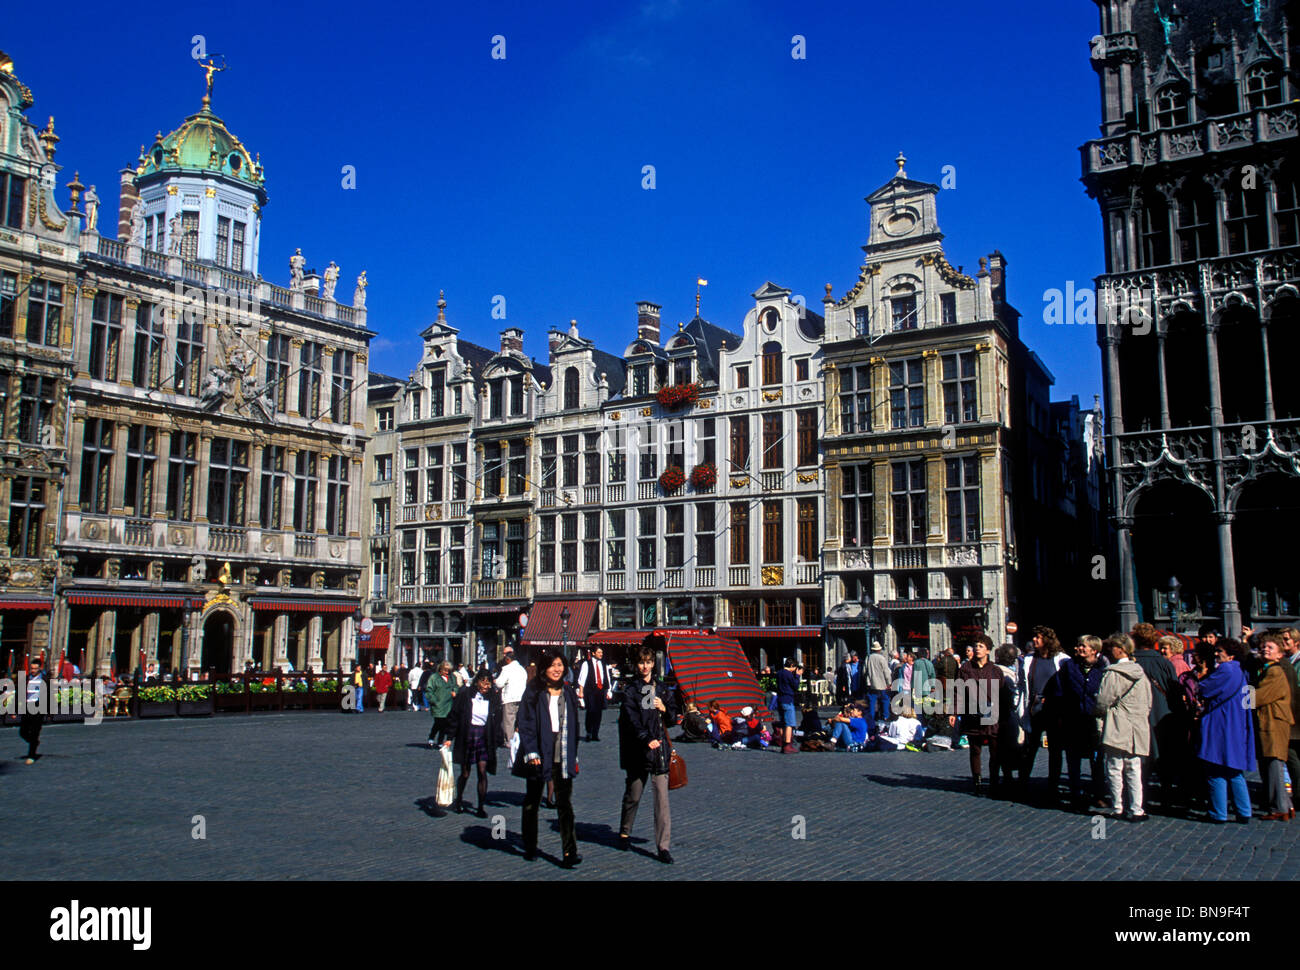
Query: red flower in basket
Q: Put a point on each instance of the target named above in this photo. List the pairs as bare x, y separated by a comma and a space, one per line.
672, 479
678, 395
704, 475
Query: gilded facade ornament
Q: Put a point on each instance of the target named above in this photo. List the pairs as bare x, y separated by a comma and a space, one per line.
771, 395
740, 481
616, 416
647, 412
808, 477
773, 575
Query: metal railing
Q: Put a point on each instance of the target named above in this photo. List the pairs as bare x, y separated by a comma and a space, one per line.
738, 575
705, 575
645, 579
674, 578
617, 494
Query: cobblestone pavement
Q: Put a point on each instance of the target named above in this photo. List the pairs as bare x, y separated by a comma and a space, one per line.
324, 796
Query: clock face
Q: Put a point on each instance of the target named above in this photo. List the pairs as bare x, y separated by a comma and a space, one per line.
367, 625
899, 222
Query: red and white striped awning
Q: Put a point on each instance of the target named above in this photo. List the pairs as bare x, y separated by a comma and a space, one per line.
545, 625
288, 605
155, 601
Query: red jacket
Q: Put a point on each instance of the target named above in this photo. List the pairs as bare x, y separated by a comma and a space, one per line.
383, 681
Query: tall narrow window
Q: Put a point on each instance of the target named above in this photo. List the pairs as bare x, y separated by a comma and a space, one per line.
546, 548
1246, 224
908, 496
772, 444
341, 387
771, 363
150, 341
227, 481
569, 543
277, 372
962, 490
647, 538
493, 470
415, 405
274, 475
708, 441
806, 422
237, 246
740, 443
36, 410
514, 549
105, 335
1286, 211
459, 472
456, 557
570, 388
437, 392
550, 462
97, 466
433, 473
44, 312
861, 321
739, 534
902, 309
807, 515
12, 190
304, 492
383, 517
1263, 86
569, 461
1171, 106
617, 456
682, 370
591, 459
640, 380
674, 535
8, 303
311, 373
773, 530
189, 235
187, 373
517, 395
1155, 233
906, 394
518, 483
959, 387
591, 542
1196, 233
141, 457
182, 473
26, 516
617, 542
223, 241
411, 477
496, 398
432, 557
649, 457
706, 527
948, 308
855, 505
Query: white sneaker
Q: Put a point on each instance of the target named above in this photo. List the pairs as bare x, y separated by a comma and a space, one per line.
739, 745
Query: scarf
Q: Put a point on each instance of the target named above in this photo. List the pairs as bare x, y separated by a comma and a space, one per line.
562, 746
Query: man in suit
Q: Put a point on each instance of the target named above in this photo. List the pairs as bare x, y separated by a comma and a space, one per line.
594, 689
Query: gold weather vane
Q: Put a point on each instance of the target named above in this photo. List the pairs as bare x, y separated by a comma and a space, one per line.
210, 69
699, 281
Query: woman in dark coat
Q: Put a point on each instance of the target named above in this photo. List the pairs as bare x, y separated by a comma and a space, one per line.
643, 751
979, 686
548, 751
474, 732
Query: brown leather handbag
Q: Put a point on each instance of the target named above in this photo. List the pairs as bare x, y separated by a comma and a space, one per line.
676, 769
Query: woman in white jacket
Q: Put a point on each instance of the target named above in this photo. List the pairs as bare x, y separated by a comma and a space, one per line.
1124, 705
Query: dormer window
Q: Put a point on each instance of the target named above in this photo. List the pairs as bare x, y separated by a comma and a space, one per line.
571, 388
682, 370
861, 321
1263, 86
902, 308
437, 392
1171, 106
771, 363
516, 395
742, 376
640, 380
12, 189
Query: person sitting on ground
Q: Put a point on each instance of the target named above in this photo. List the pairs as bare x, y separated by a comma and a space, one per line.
903, 731
810, 728
849, 729
720, 725
749, 731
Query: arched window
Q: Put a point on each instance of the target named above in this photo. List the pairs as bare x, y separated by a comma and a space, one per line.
771, 363
570, 388
1263, 85
1171, 106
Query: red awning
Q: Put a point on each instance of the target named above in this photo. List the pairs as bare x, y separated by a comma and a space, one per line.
624, 637
897, 605
16, 604
544, 623
377, 639
147, 600
712, 667
304, 605
772, 632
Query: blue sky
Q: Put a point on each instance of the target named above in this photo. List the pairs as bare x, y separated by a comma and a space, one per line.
522, 177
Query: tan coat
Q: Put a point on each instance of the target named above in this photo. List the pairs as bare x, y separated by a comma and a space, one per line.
1273, 712
1124, 705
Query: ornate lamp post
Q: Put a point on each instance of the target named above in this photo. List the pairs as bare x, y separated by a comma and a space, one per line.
564, 634
1175, 600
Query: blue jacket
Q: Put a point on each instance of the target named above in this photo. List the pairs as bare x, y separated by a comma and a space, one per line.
1075, 690
536, 737
787, 686
1226, 736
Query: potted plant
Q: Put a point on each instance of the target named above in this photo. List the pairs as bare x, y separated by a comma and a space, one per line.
229, 696
295, 693
678, 395
194, 700
263, 694
397, 694
672, 479
325, 693
156, 702
69, 705
704, 476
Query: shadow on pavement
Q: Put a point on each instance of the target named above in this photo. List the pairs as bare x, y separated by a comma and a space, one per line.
960, 785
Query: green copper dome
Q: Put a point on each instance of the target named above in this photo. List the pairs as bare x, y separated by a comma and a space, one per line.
202, 144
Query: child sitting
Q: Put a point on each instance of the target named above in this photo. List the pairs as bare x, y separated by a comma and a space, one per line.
901, 732
849, 729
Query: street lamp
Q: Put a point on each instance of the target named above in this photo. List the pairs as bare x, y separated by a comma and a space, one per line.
1174, 600
564, 632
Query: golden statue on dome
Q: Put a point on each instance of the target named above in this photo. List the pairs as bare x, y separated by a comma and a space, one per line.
209, 69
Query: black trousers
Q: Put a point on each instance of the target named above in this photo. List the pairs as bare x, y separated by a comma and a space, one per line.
564, 803
438, 732
29, 729
595, 710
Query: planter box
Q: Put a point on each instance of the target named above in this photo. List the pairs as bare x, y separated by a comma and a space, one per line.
263, 701
326, 699
65, 718
156, 709
296, 700
195, 708
397, 699
229, 702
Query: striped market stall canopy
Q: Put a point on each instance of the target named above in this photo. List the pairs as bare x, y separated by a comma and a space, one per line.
713, 667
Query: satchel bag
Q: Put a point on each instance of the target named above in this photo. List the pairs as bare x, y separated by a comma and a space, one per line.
676, 769
446, 781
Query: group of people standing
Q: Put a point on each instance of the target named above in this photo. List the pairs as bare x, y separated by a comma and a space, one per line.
1140, 709
535, 714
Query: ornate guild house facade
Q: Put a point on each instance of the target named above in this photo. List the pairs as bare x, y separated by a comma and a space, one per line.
1196, 176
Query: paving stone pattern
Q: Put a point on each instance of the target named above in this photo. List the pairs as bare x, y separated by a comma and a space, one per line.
324, 796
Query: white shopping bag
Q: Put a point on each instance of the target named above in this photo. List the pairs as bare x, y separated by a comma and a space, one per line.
514, 747
446, 783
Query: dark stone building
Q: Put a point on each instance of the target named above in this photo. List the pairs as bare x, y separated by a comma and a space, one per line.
1195, 171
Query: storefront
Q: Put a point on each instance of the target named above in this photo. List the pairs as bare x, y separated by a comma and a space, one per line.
932, 625
769, 646
558, 624
24, 629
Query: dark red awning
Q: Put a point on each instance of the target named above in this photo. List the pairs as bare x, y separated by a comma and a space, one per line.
545, 625
147, 600
772, 632
623, 637
377, 639
304, 605
27, 604
713, 667
898, 605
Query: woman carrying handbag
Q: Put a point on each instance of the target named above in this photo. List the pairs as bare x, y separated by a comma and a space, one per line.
548, 751
643, 749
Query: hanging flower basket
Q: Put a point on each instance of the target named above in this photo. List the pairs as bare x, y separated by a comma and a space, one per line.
678, 395
704, 476
671, 480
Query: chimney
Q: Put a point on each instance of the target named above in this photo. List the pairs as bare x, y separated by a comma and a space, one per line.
126, 202
553, 339
647, 321
311, 283
998, 274
512, 338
